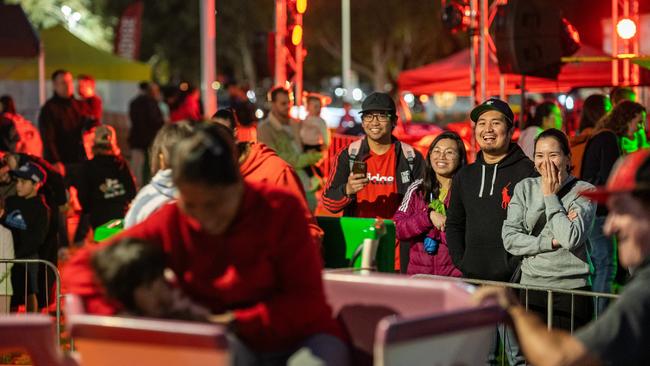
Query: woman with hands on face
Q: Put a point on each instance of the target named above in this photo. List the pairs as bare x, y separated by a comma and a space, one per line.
547, 224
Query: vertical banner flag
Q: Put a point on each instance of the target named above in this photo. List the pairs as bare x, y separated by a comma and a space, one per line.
127, 35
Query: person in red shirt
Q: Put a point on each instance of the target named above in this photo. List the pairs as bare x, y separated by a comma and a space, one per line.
372, 175
390, 166
264, 282
259, 163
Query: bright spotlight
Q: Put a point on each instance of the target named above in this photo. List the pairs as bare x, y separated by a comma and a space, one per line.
357, 94
626, 28
66, 10
569, 103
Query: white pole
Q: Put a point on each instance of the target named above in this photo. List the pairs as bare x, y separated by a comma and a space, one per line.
347, 55
208, 56
41, 75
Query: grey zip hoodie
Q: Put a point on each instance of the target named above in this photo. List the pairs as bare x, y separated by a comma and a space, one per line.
566, 267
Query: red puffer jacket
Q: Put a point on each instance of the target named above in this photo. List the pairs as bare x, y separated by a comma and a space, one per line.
412, 223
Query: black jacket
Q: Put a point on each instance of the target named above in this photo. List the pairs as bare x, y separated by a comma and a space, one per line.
335, 199
107, 189
8, 134
62, 123
146, 120
601, 152
478, 205
28, 220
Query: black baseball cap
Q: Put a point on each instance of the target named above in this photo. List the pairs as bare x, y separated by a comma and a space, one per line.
379, 102
30, 171
493, 104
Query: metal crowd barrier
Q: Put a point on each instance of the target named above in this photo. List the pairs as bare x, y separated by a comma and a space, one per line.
550, 291
337, 143
57, 278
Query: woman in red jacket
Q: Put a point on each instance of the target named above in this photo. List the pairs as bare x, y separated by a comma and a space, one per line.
241, 250
421, 217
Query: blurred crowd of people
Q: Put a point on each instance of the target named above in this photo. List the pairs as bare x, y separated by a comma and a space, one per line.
234, 219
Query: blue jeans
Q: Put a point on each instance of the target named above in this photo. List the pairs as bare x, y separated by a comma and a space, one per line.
317, 350
601, 251
508, 338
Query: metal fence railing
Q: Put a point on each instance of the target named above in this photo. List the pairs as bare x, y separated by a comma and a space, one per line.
49, 267
550, 291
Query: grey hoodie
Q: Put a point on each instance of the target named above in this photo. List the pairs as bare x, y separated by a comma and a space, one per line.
151, 197
566, 267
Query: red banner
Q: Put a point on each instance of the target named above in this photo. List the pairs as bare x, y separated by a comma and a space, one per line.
127, 34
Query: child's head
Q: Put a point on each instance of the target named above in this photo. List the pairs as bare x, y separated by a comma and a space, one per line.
162, 148
104, 142
29, 179
132, 273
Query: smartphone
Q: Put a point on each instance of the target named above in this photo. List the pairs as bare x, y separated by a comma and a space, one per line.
360, 167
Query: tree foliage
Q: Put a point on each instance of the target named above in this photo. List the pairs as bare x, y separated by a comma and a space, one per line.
91, 28
387, 36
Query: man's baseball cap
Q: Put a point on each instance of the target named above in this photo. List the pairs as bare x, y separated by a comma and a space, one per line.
378, 102
30, 171
630, 174
493, 104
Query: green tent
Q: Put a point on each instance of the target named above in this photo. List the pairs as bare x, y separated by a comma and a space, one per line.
65, 51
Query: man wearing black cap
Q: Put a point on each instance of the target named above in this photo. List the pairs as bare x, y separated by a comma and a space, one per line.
480, 194
27, 216
372, 175
622, 334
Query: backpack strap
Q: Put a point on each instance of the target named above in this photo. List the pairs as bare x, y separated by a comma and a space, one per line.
409, 154
353, 151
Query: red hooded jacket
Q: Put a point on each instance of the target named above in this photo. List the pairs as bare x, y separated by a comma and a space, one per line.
263, 165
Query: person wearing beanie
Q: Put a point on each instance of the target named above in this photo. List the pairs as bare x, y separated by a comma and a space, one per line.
108, 185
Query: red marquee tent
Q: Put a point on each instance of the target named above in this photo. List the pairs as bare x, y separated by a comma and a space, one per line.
452, 74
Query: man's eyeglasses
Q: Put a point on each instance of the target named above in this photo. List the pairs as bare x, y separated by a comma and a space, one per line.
381, 117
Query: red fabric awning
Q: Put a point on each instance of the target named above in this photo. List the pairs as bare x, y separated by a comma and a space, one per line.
452, 74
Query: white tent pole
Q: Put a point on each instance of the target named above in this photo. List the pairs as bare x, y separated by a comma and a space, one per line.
208, 56
346, 31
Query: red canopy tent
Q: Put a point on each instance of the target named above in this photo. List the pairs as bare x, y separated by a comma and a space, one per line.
452, 74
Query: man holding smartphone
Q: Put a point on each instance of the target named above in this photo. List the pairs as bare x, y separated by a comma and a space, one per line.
371, 176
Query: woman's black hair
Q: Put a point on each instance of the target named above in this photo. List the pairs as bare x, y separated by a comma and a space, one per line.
8, 105
126, 265
229, 115
542, 111
208, 157
561, 139
593, 109
430, 187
